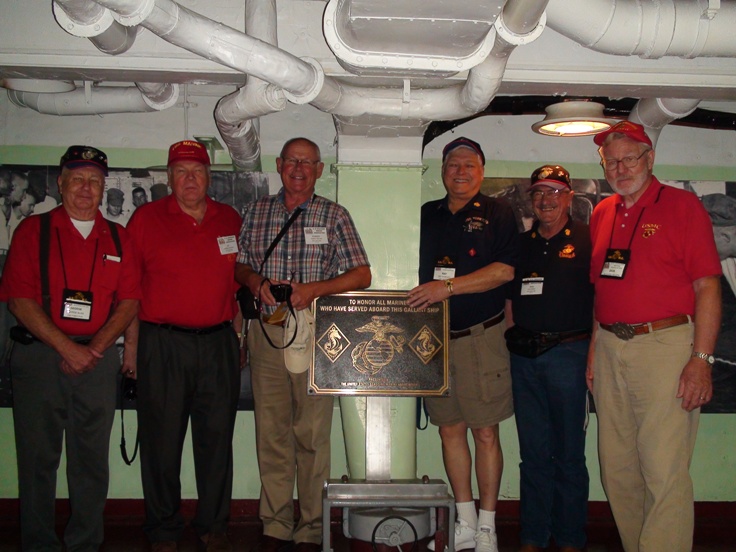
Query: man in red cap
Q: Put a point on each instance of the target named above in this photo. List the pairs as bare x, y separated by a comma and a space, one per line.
467, 252
657, 309
187, 350
70, 282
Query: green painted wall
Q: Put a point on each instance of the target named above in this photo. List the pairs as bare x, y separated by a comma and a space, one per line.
714, 462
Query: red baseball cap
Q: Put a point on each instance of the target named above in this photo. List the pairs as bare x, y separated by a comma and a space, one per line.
631, 130
188, 150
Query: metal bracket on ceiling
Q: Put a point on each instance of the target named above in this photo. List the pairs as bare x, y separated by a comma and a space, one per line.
712, 9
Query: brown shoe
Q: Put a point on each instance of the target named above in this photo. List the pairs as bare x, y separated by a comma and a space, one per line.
308, 547
217, 542
272, 544
164, 546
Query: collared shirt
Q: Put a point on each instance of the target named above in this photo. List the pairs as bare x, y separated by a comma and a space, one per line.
484, 231
294, 258
113, 275
187, 277
566, 301
672, 246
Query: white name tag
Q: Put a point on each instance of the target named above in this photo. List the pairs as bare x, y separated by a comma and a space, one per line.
613, 270
77, 311
315, 235
113, 258
227, 244
532, 286
443, 273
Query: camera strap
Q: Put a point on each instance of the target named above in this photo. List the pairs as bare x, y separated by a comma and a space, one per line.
124, 453
274, 243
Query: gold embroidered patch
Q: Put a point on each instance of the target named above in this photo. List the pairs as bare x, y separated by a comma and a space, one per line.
649, 229
568, 252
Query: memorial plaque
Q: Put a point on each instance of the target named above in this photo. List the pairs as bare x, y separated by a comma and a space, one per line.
373, 343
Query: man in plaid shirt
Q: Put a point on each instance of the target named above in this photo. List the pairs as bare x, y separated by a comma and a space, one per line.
320, 254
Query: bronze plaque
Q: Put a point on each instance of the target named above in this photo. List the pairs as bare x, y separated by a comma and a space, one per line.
373, 343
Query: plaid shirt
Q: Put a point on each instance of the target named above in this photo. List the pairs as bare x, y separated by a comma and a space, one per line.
293, 259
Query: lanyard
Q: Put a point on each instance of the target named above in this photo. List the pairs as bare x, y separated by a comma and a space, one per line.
63, 266
638, 220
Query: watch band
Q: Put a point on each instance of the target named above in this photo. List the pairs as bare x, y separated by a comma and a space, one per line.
707, 357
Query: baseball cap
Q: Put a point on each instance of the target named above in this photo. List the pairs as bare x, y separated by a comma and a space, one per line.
632, 130
463, 142
188, 150
83, 156
298, 355
553, 176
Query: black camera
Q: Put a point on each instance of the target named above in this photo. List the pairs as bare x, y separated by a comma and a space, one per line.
21, 335
281, 292
130, 389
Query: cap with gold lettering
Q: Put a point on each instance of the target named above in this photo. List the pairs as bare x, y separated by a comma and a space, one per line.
188, 150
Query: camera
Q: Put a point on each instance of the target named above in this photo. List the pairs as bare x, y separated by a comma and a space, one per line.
130, 389
281, 292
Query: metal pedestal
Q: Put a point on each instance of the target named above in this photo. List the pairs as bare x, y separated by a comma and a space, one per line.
423, 493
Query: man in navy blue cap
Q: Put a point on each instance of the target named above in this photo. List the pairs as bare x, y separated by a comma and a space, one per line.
467, 252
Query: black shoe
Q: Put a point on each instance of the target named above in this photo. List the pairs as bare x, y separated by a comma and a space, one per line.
272, 544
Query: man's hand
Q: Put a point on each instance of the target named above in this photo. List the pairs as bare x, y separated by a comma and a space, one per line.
78, 359
302, 295
696, 384
424, 295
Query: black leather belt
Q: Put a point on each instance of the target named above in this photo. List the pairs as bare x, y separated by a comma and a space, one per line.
487, 324
194, 331
627, 331
566, 337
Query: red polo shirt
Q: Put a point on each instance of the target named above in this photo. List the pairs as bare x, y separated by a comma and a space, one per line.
186, 278
113, 275
672, 247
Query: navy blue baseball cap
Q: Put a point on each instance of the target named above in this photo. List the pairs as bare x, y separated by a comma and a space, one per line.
81, 156
463, 142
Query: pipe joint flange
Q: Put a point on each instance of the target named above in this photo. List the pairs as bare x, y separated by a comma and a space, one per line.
516, 39
143, 10
168, 102
82, 29
313, 92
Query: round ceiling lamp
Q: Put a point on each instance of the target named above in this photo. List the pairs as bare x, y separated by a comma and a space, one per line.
573, 118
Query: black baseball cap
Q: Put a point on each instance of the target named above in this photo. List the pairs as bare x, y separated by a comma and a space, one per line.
554, 176
463, 142
81, 156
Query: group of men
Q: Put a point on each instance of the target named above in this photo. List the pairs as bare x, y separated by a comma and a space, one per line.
75, 282
629, 309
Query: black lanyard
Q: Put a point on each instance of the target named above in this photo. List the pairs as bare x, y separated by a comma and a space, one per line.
63, 266
638, 220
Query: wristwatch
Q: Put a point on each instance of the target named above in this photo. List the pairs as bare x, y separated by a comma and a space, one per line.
710, 359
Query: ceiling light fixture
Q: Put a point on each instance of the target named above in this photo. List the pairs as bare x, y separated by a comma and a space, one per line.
573, 118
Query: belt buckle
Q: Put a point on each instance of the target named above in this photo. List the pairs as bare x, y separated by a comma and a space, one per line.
623, 331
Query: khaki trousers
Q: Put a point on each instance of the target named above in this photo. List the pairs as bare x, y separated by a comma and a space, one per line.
292, 441
645, 438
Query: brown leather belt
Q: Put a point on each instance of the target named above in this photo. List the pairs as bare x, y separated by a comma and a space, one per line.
627, 331
487, 324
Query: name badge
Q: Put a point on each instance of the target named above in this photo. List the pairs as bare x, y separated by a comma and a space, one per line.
443, 272
615, 263
315, 235
532, 286
76, 305
227, 244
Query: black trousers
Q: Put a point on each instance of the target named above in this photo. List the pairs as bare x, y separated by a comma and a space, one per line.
181, 378
48, 408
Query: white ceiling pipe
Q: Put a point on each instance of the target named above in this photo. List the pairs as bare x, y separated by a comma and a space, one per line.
236, 114
453, 102
87, 19
159, 95
97, 101
654, 113
220, 43
647, 29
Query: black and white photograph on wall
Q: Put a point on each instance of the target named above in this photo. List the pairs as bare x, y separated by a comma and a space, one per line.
27, 190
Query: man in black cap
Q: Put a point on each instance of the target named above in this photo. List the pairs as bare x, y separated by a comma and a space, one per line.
70, 282
468, 250
551, 302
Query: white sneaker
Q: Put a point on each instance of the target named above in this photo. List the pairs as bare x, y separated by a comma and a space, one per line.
464, 537
485, 539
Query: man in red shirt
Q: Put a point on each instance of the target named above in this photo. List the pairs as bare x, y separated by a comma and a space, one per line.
658, 308
188, 365
64, 363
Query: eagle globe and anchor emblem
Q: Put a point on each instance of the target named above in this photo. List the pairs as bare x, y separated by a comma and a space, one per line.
369, 357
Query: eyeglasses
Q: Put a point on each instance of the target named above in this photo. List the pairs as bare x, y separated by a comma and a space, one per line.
548, 194
629, 162
290, 161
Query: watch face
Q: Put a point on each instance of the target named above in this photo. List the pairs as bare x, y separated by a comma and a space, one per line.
711, 359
